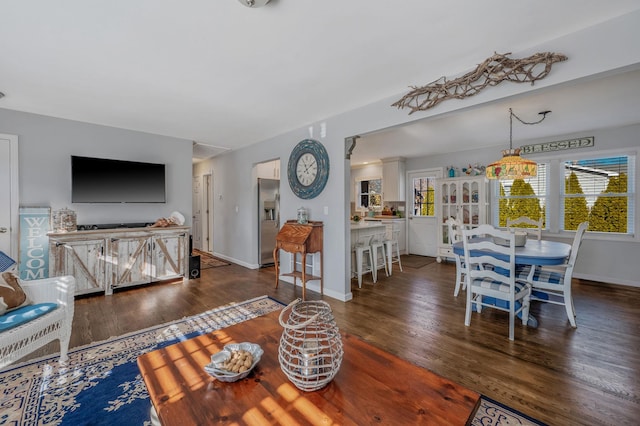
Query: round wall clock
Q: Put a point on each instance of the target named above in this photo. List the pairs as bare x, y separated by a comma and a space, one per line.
308, 169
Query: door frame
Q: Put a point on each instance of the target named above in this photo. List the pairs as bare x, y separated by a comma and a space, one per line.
13, 202
435, 172
207, 193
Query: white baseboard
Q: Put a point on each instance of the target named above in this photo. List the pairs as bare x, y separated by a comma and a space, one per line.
606, 280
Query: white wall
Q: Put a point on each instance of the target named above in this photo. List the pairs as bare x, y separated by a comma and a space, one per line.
45, 146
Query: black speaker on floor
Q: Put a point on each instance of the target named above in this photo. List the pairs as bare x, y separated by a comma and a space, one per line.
194, 267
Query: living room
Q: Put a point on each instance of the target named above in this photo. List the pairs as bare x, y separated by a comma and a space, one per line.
46, 142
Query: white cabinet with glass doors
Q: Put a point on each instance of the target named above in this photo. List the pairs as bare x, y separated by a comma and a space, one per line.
466, 198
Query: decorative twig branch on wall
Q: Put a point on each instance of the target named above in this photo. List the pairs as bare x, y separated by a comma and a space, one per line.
492, 71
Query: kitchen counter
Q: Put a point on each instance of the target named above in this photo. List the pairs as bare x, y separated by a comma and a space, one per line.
361, 225
383, 217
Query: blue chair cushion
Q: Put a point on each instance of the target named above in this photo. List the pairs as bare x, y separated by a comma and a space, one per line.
25, 314
549, 277
497, 285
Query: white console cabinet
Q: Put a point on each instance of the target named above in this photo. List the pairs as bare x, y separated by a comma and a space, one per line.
106, 259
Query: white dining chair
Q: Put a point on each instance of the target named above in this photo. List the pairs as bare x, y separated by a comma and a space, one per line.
455, 234
392, 248
363, 257
489, 287
524, 223
379, 253
552, 284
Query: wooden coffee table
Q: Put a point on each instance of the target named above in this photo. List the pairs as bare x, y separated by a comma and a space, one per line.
371, 387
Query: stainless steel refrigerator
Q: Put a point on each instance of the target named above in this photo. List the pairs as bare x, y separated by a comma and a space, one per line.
268, 218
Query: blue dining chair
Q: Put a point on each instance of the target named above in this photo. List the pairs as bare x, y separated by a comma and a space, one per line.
552, 284
493, 278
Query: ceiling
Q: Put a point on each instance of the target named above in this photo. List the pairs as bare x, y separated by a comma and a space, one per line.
228, 76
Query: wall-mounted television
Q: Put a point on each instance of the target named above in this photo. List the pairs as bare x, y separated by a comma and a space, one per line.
102, 180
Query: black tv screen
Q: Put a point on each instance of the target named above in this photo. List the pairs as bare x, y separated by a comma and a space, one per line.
101, 180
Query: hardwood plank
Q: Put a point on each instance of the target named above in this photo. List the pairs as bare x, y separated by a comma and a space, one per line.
559, 375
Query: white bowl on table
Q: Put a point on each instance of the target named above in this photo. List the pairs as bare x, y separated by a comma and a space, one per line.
521, 239
215, 367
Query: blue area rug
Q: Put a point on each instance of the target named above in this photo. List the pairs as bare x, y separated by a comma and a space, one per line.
102, 385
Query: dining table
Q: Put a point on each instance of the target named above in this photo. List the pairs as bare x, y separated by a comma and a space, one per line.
532, 253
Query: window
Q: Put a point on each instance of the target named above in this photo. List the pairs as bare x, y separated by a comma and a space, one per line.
370, 193
522, 197
424, 196
599, 190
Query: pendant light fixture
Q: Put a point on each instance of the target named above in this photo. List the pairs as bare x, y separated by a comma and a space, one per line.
511, 165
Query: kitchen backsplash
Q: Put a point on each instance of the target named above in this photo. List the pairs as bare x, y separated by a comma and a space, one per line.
398, 207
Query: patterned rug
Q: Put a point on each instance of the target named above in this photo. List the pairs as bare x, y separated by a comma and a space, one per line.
492, 413
102, 385
415, 261
208, 261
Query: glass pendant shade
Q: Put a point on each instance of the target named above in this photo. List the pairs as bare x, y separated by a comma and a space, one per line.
512, 166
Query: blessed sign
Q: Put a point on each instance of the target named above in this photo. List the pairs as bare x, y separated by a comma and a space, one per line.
558, 145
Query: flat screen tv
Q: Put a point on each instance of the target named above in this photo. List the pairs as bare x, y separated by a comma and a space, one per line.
101, 180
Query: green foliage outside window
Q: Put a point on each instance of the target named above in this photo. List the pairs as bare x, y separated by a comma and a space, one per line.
529, 207
424, 196
575, 208
521, 202
504, 208
609, 213
428, 203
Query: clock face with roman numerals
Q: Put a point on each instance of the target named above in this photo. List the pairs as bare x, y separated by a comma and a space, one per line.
308, 169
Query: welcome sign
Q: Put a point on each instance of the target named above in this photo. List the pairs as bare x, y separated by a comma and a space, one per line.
35, 223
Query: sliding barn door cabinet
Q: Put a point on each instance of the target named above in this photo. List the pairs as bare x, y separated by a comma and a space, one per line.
107, 259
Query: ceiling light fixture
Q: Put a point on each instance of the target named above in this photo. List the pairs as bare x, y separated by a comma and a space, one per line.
254, 3
1, 95
511, 165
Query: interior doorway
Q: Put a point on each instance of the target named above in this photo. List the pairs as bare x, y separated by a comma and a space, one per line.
421, 214
196, 208
9, 195
207, 229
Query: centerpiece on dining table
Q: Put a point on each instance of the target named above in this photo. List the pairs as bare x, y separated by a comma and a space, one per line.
521, 239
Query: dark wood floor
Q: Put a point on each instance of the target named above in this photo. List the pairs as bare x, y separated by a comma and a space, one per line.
559, 375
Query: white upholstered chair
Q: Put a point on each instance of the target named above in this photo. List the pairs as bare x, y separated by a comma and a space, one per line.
23, 339
552, 284
455, 235
524, 223
490, 286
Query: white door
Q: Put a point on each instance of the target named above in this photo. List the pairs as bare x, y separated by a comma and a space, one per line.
196, 205
422, 233
9, 195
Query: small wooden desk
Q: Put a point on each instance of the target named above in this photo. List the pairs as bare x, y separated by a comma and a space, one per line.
304, 239
372, 386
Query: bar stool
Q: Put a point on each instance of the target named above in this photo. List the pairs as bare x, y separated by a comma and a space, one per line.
361, 248
391, 244
378, 243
